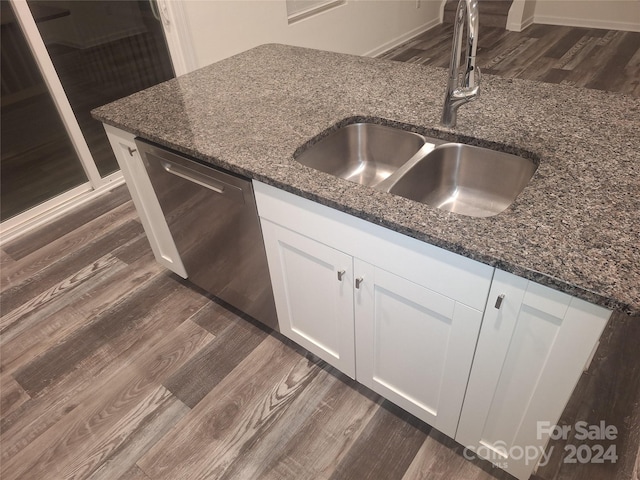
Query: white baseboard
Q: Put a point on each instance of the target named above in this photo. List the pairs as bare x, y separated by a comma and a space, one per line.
402, 38
588, 23
520, 26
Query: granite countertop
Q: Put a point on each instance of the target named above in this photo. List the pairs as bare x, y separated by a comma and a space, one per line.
575, 227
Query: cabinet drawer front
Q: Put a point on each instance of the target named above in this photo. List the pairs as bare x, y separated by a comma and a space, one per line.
414, 346
313, 289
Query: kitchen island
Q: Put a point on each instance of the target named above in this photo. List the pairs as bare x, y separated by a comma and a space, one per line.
574, 228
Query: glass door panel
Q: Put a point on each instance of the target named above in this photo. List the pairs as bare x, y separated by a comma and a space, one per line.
102, 51
38, 160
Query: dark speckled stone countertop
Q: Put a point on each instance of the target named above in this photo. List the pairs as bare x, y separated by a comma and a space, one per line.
575, 227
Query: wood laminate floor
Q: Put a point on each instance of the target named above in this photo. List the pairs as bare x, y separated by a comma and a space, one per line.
113, 368
584, 57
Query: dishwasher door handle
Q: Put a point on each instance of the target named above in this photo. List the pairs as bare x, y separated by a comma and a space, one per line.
205, 181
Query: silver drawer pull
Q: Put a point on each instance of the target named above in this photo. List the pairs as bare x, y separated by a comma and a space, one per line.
359, 281
341, 274
499, 301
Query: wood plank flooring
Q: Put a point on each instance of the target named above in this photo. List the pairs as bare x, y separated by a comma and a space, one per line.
584, 57
113, 368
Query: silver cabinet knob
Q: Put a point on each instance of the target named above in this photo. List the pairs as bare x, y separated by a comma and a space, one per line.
341, 274
359, 281
499, 301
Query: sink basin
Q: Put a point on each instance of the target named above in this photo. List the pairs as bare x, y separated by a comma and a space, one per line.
364, 153
465, 179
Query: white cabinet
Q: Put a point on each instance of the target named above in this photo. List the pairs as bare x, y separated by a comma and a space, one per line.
414, 346
411, 312
530, 355
313, 294
144, 199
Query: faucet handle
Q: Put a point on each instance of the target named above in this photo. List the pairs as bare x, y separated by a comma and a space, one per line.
477, 76
470, 89
472, 73
473, 90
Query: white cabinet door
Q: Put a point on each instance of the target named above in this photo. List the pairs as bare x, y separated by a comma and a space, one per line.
413, 345
530, 355
312, 285
145, 200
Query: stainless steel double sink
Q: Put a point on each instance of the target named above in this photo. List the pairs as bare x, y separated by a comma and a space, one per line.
460, 178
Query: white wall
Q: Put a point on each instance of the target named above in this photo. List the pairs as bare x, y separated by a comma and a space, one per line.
221, 28
609, 14
218, 29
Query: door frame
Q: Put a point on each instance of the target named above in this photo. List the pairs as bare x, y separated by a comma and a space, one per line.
176, 29
177, 32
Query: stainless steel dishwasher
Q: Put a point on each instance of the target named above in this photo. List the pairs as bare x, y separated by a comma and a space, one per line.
214, 222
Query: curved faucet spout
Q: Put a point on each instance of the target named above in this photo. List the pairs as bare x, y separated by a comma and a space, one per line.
458, 94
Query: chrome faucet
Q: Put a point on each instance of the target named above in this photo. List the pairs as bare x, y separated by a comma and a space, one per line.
458, 95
